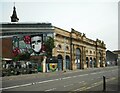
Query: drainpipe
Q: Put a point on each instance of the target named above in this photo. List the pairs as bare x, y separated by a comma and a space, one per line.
64, 54
71, 50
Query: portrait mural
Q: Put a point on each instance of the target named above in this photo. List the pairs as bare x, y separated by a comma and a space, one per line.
32, 44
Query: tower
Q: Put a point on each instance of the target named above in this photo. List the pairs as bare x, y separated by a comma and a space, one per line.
14, 17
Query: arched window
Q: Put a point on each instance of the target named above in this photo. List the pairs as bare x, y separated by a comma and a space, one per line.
60, 62
90, 52
59, 46
67, 48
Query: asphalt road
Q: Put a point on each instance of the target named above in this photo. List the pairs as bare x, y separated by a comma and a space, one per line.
71, 81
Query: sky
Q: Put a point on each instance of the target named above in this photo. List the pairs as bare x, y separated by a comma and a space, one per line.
95, 18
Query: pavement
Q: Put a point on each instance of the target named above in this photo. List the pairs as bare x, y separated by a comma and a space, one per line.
42, 74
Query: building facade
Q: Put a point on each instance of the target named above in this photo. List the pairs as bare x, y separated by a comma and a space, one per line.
73, 49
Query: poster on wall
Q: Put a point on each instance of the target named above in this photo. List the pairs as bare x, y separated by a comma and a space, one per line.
33, 44
53, 67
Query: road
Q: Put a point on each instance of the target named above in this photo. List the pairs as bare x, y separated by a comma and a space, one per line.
79, 80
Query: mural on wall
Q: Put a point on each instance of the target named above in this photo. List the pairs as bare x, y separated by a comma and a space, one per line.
32, 44
53, 66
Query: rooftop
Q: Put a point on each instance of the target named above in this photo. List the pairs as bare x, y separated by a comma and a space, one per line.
25, 25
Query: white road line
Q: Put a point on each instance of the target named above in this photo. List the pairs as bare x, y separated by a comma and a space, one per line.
98, 77
66, 77
88, 87
110, 79
74, 71
94, 85
75, 76
68, 85
81, 82
50, 89
80, 89
83, 75
93, 73
15, 86
84, 83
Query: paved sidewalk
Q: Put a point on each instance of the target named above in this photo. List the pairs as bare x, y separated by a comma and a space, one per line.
41, 74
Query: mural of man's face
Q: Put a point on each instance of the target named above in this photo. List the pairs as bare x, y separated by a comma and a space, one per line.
36, 43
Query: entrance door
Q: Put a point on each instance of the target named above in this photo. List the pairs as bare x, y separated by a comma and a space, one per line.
78, 58
67, 62
78, 63
87, 60
91, 62
60, 62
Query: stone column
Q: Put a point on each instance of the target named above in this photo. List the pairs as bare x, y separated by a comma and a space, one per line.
84, 59
103, 62
73, 58
44, 63
97, 59
88, 62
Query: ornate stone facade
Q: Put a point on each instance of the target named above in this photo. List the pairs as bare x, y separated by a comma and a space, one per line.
75, 51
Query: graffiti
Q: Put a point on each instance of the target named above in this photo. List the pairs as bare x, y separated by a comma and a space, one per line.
27, 39
16, 51
33, 44
36, 43
53, 66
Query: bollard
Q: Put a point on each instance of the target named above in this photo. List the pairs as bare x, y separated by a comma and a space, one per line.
104, 84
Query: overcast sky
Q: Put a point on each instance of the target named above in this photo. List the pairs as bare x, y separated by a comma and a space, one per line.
95, 18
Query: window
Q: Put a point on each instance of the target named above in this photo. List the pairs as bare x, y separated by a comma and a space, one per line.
67, 48
59, 46
90, 52
86, 51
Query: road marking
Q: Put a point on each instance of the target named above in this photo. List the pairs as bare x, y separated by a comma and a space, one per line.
80, 89
111, 79
73, 72
68, 85
66, 77
88, 87
16, 86
93, 73
83, 75
94, 85
81, 82
85, 88
50, 89
48, 81
84, 83
97, 83
75, 76
98, 77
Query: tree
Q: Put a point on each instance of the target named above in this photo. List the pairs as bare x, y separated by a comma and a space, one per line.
22, 56
49, 44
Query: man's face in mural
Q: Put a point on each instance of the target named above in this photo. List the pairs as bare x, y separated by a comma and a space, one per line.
36, 43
